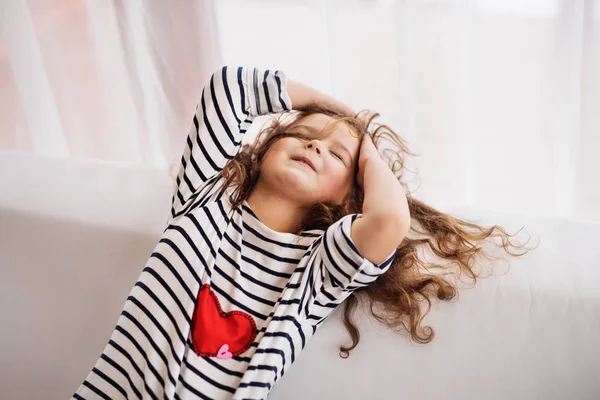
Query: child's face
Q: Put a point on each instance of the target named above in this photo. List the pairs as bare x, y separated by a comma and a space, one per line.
334, 167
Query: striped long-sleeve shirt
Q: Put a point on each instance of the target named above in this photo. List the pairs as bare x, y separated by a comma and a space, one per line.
224, 305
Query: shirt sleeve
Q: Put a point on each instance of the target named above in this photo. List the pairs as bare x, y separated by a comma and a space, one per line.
334, 270
230, 101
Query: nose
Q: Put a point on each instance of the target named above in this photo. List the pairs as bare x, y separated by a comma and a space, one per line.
314, 143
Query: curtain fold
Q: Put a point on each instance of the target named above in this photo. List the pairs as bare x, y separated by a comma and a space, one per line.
500, 98
108, 80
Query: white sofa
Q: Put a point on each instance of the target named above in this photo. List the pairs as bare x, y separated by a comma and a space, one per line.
74, 236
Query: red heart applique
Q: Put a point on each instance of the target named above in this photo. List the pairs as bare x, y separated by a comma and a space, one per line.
219, 334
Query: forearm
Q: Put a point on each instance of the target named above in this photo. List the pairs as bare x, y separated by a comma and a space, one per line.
301, 95
384, 198
304, 96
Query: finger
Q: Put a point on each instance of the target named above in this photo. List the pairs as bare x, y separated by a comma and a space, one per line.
367, 142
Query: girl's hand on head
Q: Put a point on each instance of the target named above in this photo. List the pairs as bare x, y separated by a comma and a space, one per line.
336, 105
304, 96
367, 151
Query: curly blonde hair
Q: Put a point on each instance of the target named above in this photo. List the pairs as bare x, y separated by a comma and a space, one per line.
409, 282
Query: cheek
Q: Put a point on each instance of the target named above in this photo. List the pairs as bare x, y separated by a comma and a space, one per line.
280, 150
275, 153
340, 175
274, 161
270, 162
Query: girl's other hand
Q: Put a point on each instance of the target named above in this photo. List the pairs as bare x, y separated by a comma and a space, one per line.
367, 151
304, 96
334, 104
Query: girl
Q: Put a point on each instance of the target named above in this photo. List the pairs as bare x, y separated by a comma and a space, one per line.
265, 241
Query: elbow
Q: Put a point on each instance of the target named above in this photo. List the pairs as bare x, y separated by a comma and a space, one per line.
395, 226
405, 226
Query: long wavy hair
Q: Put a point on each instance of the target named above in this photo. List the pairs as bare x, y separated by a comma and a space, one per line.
409, 283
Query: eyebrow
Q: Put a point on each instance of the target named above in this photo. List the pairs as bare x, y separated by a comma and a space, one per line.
315, 131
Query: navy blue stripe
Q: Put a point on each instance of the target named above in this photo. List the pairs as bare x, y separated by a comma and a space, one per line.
261, 283
207, 378
388, 261
294, 320
223, 212
264, 368
201, 194
175, 273
190, 185
192, 245
111, 381
213, 164
317, 324
274, 242
323, 289
242, 91
207, 241
256, 94
96, 390
182, 257
288, 338
192, 159
313, 289
359, 284
256, 384
290, 301
208, 197
333, 279
222, 368
212, 222
224, 78
173, 212
308, 286
236, 303
157, 324
223, 122
333, 263
135, 366
348, 240
266, 91
226, 276
197, 139
267, 270
139, 348
315, 233
258, 249
192, 389
274, 351
279, 91
164, 284
328, 305
233, 244
152, 343
123, 372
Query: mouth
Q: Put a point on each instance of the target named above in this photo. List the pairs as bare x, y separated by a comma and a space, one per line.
305, 161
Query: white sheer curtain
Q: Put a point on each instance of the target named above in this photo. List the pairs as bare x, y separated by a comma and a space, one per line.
110, 80
500, 98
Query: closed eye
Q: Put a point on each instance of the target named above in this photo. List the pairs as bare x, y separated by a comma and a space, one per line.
302, 137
